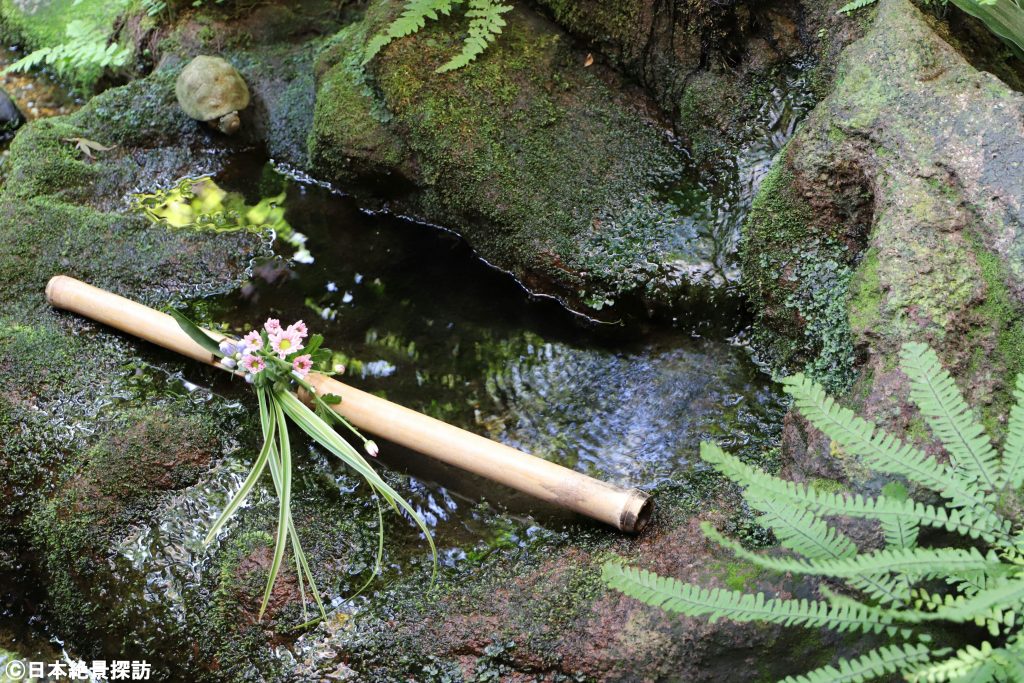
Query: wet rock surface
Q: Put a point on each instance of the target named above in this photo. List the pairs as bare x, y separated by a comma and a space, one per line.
895, 216
11, 117
541, 162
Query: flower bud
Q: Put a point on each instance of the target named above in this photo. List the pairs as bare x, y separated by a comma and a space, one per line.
227, 347
371, 448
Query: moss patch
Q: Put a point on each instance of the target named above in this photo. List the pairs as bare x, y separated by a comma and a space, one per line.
536, 161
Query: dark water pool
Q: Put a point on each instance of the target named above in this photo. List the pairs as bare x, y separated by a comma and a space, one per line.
428, 325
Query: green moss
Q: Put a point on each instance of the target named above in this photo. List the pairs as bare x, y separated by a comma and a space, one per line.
735, 574
88, 464
117, 483
865, 295
1002, 315
797, 278
822, 485
348, 115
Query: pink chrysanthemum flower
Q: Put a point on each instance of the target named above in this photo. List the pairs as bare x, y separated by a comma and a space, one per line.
253, 341
302, 365
285, 342
299, 327
272, 326
253, 364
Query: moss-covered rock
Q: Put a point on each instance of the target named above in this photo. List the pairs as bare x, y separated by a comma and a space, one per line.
273, 46
541, 165
89, 449
908, 177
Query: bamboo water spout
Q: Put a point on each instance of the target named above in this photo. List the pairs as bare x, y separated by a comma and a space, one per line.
626, 509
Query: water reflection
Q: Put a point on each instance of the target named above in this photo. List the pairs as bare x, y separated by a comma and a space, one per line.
201, 204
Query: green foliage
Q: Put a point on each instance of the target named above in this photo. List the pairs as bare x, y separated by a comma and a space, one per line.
856, 5
85, 50
485, 24
900, 589
1004, 18
157, 7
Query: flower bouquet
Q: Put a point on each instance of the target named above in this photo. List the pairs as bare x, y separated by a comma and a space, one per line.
276, 360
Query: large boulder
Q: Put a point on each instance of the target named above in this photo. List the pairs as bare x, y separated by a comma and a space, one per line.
539, 161
895, 215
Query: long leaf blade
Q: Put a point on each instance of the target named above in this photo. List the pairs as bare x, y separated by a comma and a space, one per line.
195, 332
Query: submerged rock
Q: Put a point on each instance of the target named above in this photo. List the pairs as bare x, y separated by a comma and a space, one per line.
11, 117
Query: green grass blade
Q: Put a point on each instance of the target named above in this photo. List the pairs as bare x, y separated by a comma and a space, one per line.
269, 429
325, 435
301, 561
195, 332
284, 495
1004, 18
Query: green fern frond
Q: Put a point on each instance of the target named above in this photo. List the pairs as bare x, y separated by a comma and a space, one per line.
901, 588
716, 603
413, 17
885, 660
942, 404
900, 532
808, 535
1011, 658
1012, 473
963, 610
801, 530
85, 48
855, 5
915, 562
485, 24
825, 503
893, 591
970, 663
880, 450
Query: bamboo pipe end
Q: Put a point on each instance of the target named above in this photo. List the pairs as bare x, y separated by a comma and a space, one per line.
54, 286
636, 512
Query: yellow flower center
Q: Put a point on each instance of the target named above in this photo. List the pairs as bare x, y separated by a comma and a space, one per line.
285, 344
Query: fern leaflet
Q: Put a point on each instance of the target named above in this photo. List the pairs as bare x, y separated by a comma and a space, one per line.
940, 401
801, 530
851, 506
485, 23
885, 660
717, 603
970, 663
413, 17
1013, 450
855, 5
917, 562
882, 451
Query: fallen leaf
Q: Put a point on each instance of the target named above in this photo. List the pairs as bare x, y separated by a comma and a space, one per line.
87, 147
589, 60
